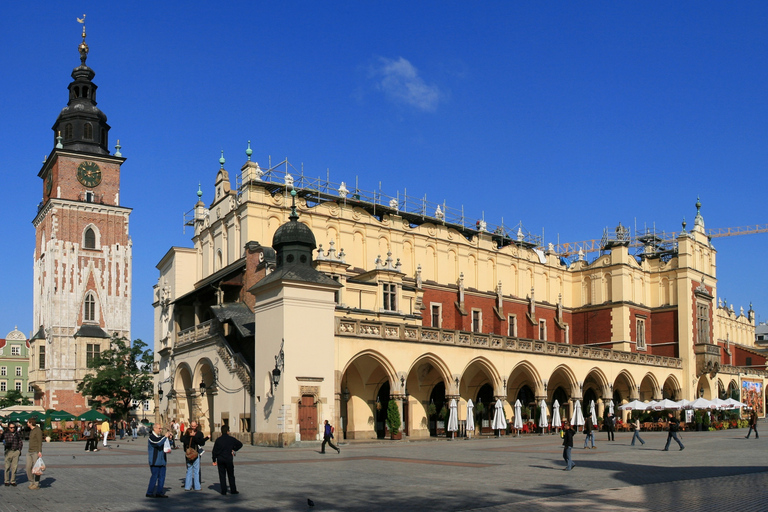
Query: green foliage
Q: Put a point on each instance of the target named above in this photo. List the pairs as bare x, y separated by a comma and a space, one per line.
122, 374
444, 413
12, 398
431, 409
705, 419
393, 417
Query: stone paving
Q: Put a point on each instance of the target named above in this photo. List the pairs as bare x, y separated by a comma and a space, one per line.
718, 471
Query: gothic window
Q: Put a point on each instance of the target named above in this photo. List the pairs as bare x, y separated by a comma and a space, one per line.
89, 308
512, 328
640, 334
477, 320
41, 358
702, 322
436, 314
88, 131
68, 131
89, 238
390, 297
93, 351
543, 330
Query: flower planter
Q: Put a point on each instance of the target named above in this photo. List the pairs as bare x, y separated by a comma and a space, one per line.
396, 437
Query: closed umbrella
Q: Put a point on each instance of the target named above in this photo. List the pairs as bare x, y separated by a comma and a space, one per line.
592, 413
610, 407
543, 423
499, 423
453, 418
578, 417
518, 416
556, 415
470, 416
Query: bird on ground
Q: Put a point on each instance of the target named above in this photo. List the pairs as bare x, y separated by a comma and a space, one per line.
310, 502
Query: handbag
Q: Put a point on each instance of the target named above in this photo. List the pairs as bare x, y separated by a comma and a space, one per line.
191, 454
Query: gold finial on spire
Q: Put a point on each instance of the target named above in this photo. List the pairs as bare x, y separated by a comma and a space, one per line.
83, 47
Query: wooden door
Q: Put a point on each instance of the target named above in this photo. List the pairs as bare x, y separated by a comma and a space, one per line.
308, 418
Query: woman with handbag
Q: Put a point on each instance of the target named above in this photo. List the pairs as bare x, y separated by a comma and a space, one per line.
193, 442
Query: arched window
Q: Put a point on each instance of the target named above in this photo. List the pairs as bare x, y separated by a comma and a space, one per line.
89, 308
88, 131
68, 131
89, 239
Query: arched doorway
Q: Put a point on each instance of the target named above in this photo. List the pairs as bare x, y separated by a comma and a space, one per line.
361, 389
485, 414
590, 396
562, 400
436, 409
528, 402
382, 402
424, 398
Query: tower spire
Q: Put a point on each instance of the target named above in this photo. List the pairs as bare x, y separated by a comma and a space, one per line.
83, 47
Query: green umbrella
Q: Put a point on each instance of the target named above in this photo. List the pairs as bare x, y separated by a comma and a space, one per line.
59, 416
21, 416
92, 415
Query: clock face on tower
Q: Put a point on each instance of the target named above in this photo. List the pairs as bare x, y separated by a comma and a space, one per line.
89, 174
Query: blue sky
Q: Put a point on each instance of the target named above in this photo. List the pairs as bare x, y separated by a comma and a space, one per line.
568, 116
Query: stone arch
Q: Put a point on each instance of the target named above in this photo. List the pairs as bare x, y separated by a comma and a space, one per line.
596, 379
427, 372
430, 268
704, 387
515, 292
361, 381
649, 388
453, 266
523, 373
672, 388
358, 253
625, 384
204, 374
564, 377
608, 287
383, 248
182, 393
407, 258
470, 276
471, 372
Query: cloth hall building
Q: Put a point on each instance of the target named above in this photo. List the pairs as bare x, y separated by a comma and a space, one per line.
277, 318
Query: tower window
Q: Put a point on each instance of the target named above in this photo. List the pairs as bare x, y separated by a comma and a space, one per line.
477, 320
103, 137
88, 131
76, 90
543, 330
640, 334
41, 358
90, 239
85, 92
436, 315
68, 131
89, 308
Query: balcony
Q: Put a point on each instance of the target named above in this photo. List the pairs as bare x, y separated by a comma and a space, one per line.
707, 359
199, 332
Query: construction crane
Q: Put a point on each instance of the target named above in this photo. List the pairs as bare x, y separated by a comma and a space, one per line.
647, 237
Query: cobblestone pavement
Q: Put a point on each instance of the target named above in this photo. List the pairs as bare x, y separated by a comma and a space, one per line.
719, 471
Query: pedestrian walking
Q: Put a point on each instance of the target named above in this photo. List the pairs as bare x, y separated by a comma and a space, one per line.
637, 432
568, 434
608, 424
104, 431
90, 435
673, 427
193, 442
223, 454
34, 451
13, 443
327, 436
753, 425
589, 433
157, 462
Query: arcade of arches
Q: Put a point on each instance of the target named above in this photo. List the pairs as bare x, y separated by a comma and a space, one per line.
423, 385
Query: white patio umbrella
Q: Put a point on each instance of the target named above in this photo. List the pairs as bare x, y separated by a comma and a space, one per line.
610, 407
702, 403
578, 417
543, 423
499, 423
721, 404
470, 416
665, 404
518, 416
592, 413
634, 405
453, 418
684, 404
736, 404
556, 415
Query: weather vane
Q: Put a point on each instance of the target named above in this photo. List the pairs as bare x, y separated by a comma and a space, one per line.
83, 47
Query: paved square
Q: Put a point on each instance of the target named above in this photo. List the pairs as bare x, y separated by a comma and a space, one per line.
718, 471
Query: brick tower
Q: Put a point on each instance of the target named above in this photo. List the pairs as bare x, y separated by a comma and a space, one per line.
82, 261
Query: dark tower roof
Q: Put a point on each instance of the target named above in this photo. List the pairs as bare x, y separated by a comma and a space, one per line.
294, 241
82, 125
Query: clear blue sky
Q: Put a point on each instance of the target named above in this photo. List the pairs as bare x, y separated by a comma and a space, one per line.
569, 117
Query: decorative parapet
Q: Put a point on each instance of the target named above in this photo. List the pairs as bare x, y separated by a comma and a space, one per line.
197, 333
346, 327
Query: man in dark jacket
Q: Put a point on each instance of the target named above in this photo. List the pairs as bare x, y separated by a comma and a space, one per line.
14, 442
753, 425
157, 462
327, 436
223, 455
568, 434
609, 419
673, 426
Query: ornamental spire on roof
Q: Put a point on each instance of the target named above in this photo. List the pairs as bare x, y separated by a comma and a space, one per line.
83, 47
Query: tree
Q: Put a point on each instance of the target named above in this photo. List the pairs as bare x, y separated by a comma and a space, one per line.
12, 398
393, 417
123, 374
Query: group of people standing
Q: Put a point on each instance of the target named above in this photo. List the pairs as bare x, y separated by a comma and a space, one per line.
192, 440
13, 441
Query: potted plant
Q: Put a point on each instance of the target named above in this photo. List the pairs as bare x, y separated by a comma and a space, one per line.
393, 420
697, 417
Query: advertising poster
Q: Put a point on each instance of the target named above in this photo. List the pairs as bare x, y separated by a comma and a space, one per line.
752, 395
